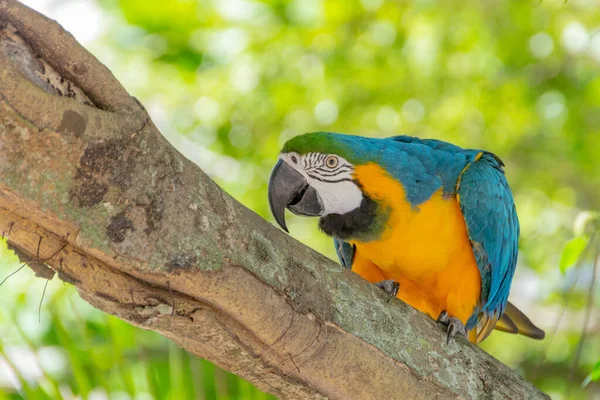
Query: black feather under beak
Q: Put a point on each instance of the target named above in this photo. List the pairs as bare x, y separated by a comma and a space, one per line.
289, 189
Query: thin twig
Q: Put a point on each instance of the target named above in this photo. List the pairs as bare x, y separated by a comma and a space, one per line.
37, 255
11, 274
41, 300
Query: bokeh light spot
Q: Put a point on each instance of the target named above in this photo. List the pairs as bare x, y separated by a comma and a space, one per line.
551, 105
206, 109
541, 45
413, 110
575, 37
387, 119
326, 112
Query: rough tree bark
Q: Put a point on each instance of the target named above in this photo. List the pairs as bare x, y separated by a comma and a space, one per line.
90, 188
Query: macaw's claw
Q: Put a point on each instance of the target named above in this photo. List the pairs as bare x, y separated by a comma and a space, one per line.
389, 286
454, 325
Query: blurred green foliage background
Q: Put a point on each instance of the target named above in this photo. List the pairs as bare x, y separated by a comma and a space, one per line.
228, 81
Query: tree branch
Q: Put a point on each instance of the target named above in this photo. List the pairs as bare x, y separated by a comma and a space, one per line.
89, 186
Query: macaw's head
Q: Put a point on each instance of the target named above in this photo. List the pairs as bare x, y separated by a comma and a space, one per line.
314, 176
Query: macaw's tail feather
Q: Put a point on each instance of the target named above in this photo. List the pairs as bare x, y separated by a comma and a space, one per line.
514, 321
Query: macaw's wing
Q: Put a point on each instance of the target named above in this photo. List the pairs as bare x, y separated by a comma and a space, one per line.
489, 211
345, 252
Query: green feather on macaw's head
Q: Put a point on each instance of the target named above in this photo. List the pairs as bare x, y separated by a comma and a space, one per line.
312, 142
357, 150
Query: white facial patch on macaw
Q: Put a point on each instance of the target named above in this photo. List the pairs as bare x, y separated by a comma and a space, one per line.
331, 177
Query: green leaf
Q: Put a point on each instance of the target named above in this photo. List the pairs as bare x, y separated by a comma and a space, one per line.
572, 251
593, 376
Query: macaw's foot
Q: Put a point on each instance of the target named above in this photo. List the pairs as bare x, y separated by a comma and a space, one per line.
454, 325
389, 286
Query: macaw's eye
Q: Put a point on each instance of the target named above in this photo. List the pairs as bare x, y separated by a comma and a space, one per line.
294, 159
331, 161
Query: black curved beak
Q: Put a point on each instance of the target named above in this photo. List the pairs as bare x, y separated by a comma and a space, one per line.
289, 189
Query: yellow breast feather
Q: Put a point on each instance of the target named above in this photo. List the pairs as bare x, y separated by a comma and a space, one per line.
425, 248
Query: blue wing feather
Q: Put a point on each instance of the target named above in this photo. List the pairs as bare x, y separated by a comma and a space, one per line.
493, 228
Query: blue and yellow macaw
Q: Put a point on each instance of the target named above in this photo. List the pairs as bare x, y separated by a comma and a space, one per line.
425, 220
